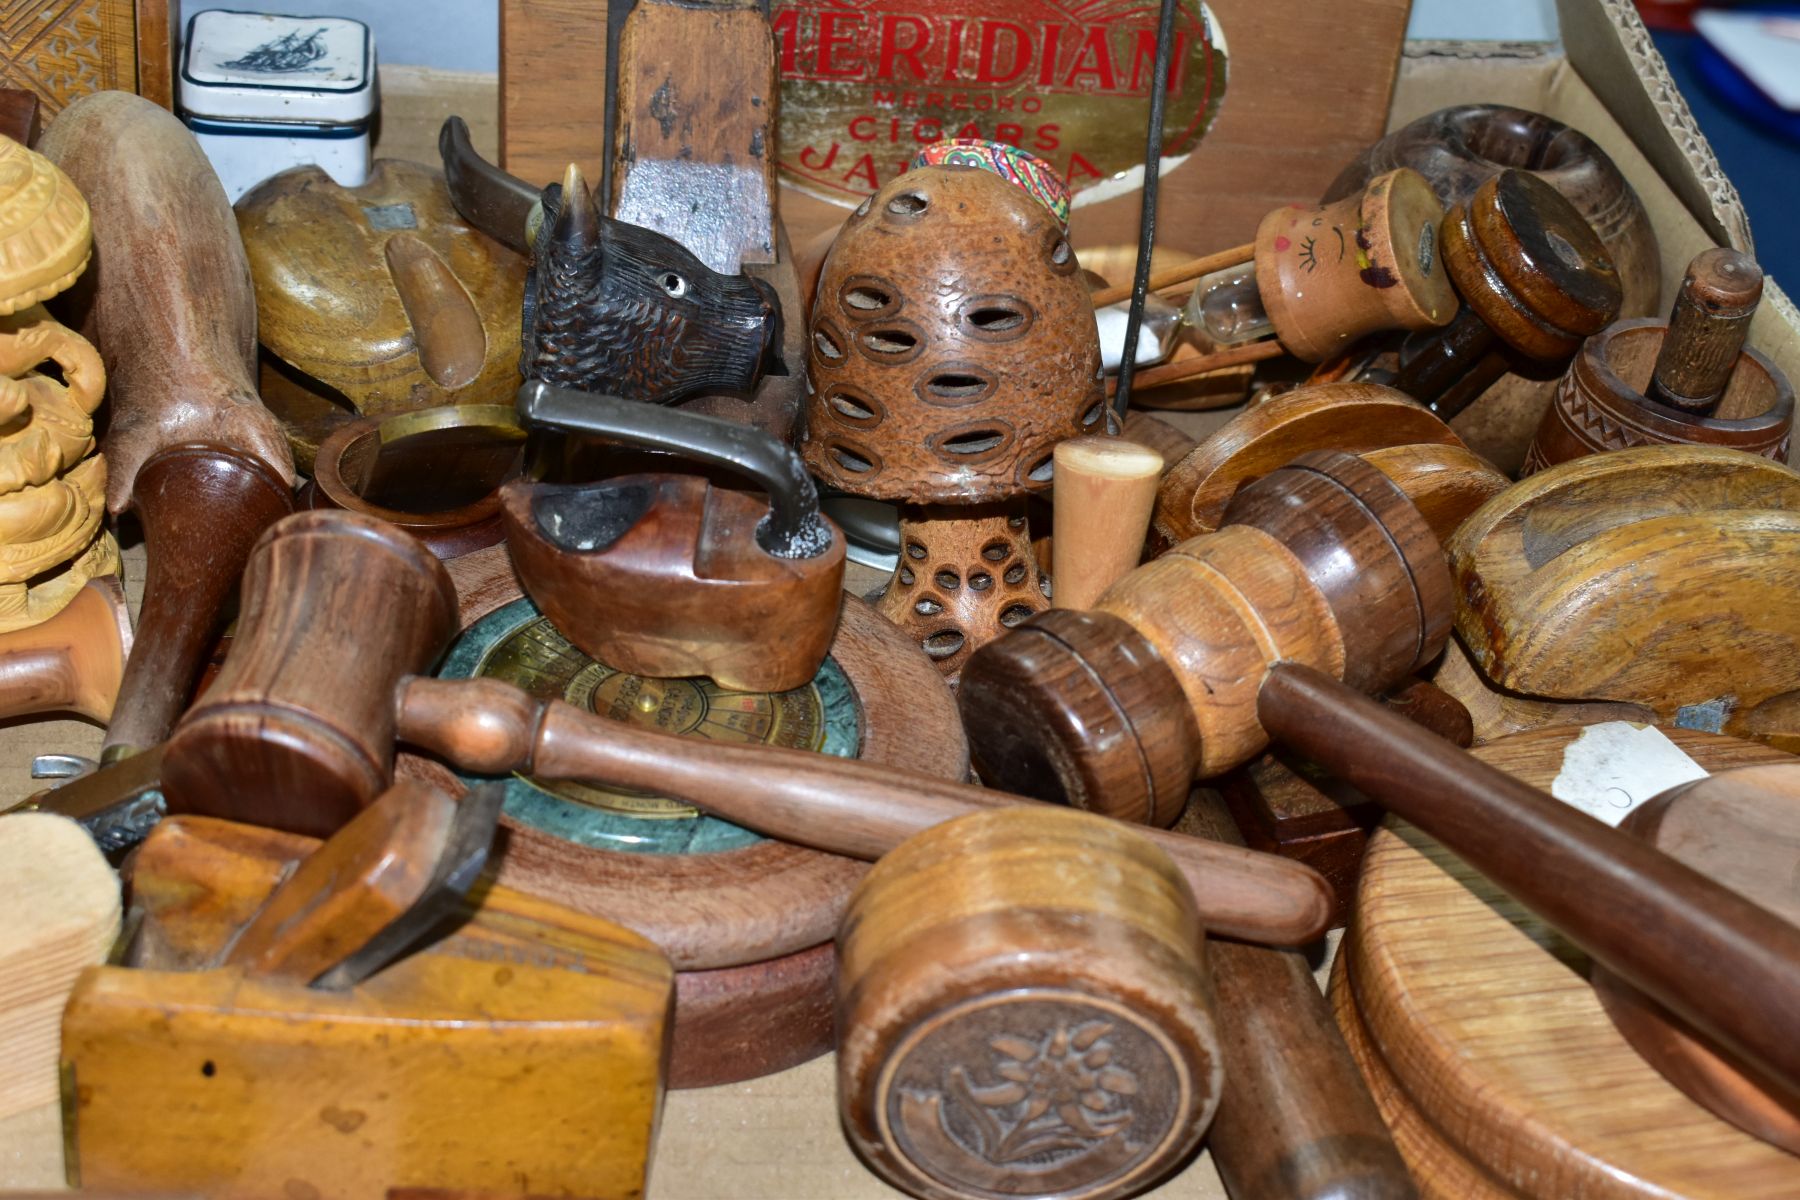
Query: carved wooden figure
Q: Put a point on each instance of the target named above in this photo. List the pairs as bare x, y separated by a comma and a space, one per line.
1534, 279
1268, 629
1653, 576
946, 365
434, 472
59, 913
308, 748
51, 481
1488, 1051
1415, 449
380, 295
284, 979
666, 575
746, 920
1689, 379
1023, 1010
1457, 149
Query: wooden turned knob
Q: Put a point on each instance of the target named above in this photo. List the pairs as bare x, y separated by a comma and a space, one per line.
1105, 489
1333, 274
1527, 264
1385, 579
1741, 828
1023, 1010
1079, 709
1707, 328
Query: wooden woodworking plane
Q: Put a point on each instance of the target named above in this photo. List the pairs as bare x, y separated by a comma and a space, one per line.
339, 1019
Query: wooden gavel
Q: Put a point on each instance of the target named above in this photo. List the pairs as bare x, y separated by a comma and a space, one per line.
298, 731
1324, 582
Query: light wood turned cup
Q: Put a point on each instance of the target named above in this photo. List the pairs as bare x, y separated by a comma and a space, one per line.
1023, 1010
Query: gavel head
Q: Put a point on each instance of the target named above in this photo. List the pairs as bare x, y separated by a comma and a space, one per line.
1023, 1010
297, 731
1324, 562
1530, 267
614, 307
953, 344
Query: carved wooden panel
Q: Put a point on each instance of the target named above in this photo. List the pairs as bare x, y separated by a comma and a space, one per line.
64, 49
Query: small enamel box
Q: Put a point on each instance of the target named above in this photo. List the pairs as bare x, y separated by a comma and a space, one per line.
264, 93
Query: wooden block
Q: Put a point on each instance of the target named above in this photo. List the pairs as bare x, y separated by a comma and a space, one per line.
552, 87
236, 1086
59, 913
1487, 1049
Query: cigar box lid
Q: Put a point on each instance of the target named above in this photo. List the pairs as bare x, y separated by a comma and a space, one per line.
262, 67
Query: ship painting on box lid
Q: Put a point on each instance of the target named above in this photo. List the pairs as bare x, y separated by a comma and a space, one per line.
866, 83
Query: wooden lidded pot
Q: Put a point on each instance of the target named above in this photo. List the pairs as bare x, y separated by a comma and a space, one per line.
1023, 1011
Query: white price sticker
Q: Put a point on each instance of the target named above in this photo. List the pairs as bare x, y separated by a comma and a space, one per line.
1614, 767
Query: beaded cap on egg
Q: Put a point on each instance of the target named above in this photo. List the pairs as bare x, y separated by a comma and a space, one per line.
45, 232
953, 344
1020, 168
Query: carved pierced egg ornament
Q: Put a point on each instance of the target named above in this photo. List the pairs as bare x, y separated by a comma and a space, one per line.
45, 231
953, 344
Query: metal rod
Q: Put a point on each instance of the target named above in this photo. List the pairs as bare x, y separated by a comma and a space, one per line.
1140, 285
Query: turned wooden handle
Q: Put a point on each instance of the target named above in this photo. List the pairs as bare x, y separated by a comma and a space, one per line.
72, 662
1168, 277
168, 299
1295, 1121
203, 507
1707, 327
839, 805
1105, 489
1663, 927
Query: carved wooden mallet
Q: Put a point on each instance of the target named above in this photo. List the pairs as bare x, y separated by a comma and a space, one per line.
1229, 634
298, 731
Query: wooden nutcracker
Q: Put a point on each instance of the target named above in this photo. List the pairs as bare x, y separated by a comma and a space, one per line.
381, 296
291, 1006
685, 578
170, 304
307, 749
1488, 1050
945, 367
1242, 623
1688, 380
1024, 1010
1457, 149
1652, 576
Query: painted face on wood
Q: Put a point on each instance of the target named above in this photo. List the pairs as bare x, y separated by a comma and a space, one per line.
617, 308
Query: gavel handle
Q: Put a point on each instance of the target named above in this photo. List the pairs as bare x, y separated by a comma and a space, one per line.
833, 804
1728, 967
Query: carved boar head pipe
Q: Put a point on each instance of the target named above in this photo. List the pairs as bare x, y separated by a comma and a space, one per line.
610, 306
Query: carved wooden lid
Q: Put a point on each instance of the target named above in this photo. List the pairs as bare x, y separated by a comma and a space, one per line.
953, 344
45, 232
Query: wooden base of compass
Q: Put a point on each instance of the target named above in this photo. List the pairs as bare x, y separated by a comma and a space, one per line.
749, 928
1486, 1048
